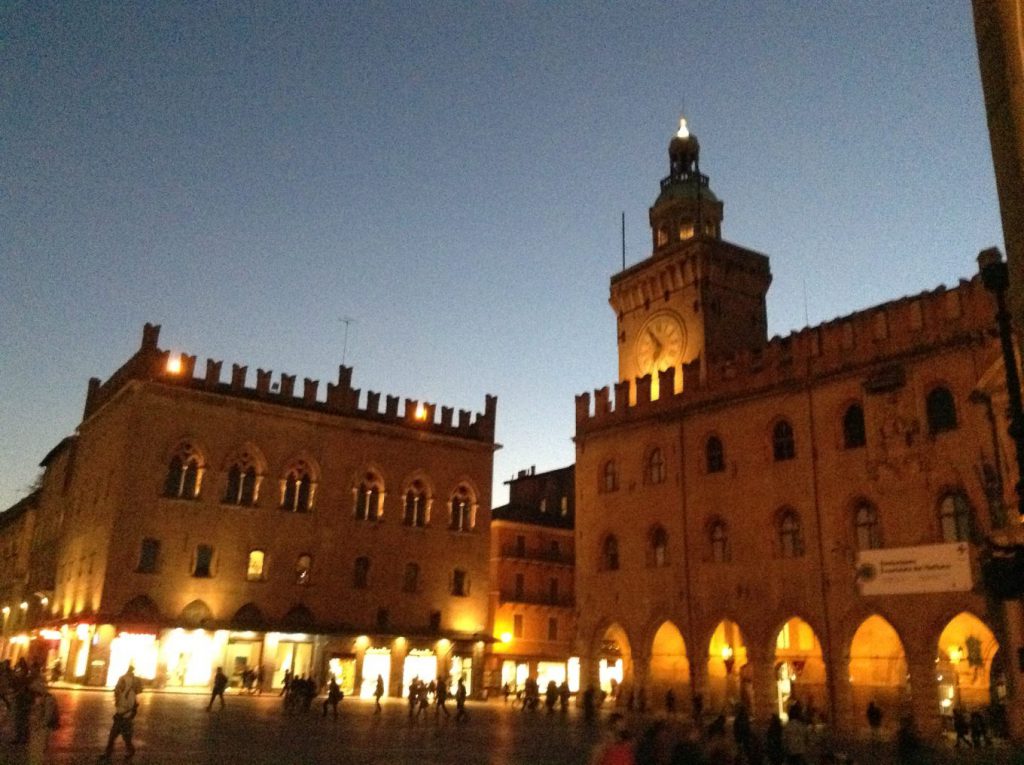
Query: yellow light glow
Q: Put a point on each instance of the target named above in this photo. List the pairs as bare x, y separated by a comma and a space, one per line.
443, 644
421, 412
506, 637
44, 601
683, 131
7, 610
362, 641
19, 640
49, 634
956, 654
82, 632
727, 652
24, 605
174, 365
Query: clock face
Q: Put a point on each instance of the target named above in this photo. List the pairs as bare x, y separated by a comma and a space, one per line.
660, 344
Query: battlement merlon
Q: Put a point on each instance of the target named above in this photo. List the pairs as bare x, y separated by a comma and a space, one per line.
871, 338
152, 364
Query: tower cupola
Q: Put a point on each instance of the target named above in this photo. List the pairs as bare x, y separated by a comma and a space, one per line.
686, 208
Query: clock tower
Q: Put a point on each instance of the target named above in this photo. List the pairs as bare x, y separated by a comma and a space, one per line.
697, 297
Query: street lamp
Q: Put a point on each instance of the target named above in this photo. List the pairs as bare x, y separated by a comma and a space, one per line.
996, 277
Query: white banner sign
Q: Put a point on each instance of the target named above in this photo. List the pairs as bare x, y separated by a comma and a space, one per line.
911, 570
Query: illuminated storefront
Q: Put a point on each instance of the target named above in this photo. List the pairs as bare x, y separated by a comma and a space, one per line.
609, 671
343, 669
376, 662
420, 664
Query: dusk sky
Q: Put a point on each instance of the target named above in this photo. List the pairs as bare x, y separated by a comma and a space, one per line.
452, 177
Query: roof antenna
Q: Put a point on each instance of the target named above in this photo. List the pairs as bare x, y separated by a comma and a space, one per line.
346, 320
623, 240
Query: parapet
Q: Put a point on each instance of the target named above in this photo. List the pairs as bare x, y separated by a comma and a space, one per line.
888, 333
150, 363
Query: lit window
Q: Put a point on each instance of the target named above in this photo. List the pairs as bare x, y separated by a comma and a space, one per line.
718, 537
609, 476
791, 543
714, 455
955, 518
297, 489
662, 237
184, 474
685, 231
610, 554
654, 470
941, 411
415, 506
202, 566
461, 510
149, 556
869, 536
659, 547
254, 572
517, 625
243, 482
303, 569
460, 583
361, 573
411, 580
368, 496
783, 444
854, 432
565, 505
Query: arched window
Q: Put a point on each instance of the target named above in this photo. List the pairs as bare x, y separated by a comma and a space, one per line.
243, 481
718, 541
361, 574
854, 433
955, 518
297, 489
783, 444
940, 410
303, 569
368, 495
610, 553
659, 547
654, 470
609, 476
415, 514
411, 579
184, 473
714, 455
255, 570
791, 543
461, 510
662, 239
865, 521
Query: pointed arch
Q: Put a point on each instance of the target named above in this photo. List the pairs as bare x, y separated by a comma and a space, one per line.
368, 493
727, 660
670, 666
877, 667
462, 507
245, 469
196, 614
801, 672
298, 484
186, 466
298, 618
417, 500
614, 659
140, 607
249, 616
965, 655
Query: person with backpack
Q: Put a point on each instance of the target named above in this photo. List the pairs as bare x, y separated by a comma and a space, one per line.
126, 706
43, 718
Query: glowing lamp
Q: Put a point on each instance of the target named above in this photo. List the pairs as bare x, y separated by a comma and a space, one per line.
44, 601
82, 632
49, 634
7, 610
24, 605
683, 131
956, 654
727, 652
421, 412
506, 637
174, 365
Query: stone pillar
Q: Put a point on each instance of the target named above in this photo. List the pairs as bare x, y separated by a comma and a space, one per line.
762, 669
698, 679
847, 717
1014, 618
924, 700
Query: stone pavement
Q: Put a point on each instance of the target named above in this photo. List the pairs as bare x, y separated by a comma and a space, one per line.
253, 730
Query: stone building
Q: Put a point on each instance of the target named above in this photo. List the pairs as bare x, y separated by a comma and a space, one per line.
788, 519
196, 522
532, 567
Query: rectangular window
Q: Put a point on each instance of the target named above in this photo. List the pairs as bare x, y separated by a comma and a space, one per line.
254, 573
149, 556
203, 566
552, 628
517, 626
520, 545
520, 585
460, 583
553, 591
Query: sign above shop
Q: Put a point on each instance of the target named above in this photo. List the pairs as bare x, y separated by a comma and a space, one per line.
913, 570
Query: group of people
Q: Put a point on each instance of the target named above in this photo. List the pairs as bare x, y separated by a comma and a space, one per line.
528, 697
298, 692
971, 731
422, 695
29, 706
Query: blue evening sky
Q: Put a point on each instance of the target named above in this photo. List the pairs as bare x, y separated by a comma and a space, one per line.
452, 176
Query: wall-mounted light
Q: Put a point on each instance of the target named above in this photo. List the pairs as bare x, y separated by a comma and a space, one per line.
506, 637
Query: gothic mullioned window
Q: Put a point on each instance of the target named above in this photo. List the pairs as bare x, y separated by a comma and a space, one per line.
854, 433
368, 498
297, 488
659, 547
303, 569
783, 442
609, 477
791, 542
416, 502
940, 410
654, 470
714, 455
610, 553
243, 481
462, 510
361, 574
184, 473
866, 526
955, 518
718, 541
411, 579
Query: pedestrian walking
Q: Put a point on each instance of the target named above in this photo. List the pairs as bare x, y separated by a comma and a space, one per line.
506, 691
220, 684
589, 704
670, 702
334, 697
774, 750
979, 730
961, 727
795, 738
551, 696
21, 700
460, 701
741, 730
563, 697
874, 715
441, 698
378, 691
43, 718
126, 707
287, 683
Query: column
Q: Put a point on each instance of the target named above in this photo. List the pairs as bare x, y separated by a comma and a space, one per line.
1014, 618
762, 670
924, 702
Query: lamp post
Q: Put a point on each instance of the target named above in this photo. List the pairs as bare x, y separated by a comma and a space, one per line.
996, 277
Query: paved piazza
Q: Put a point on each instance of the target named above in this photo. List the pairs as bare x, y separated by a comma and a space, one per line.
175, 728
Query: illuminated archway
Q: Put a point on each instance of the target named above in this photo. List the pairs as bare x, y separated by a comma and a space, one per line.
615, 660
729, 678
669, 666
878, 668
799, 668
964, 664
